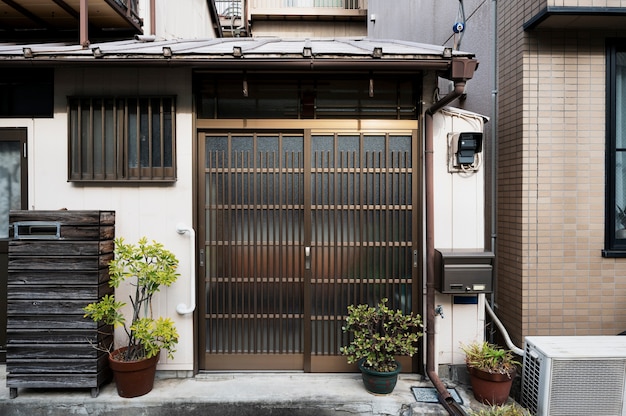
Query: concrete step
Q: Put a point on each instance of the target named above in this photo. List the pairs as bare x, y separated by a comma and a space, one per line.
241, 394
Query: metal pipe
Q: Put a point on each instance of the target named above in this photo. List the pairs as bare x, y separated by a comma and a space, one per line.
145, 38
505, 334
494, 143
444, 396
84, 24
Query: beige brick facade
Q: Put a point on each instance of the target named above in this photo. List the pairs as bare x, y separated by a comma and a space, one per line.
552, 278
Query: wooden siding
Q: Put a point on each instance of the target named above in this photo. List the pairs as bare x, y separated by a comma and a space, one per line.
58, 263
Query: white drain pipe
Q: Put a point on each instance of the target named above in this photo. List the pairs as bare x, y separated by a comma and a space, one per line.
505, 334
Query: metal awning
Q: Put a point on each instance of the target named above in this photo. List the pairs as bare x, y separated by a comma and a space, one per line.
248, 53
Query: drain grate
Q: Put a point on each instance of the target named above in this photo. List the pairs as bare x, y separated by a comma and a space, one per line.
429, 395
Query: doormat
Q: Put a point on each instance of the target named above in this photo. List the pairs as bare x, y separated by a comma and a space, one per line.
429, 395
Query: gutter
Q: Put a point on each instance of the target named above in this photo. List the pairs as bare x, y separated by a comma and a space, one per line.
460, 72
221, 63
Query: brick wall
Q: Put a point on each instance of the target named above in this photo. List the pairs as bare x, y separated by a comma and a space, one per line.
551, 134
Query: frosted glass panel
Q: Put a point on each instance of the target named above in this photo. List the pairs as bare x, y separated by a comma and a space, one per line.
620, 138
10, 195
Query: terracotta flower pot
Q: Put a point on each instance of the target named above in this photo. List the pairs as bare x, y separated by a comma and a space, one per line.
490, 389
377, 382
133, 378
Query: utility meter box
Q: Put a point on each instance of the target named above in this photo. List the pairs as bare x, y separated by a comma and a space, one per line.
463, 271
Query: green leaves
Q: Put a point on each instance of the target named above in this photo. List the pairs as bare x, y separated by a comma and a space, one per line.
505, 410
379, 334
489, 357
107, 310
151, 264
155, 335
145, 267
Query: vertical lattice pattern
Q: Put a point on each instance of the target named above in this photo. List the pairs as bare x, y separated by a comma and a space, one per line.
531, 376
254, 238
270, 196
361, 229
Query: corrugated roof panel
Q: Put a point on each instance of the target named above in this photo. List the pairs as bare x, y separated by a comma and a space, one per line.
274, 48
277, 46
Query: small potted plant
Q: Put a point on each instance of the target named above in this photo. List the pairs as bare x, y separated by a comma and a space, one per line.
147, 267
491, 370
379, 334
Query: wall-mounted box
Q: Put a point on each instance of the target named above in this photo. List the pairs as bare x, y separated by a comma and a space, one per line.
463, 271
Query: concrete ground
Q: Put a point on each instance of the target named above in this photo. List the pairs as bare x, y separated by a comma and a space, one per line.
242, 394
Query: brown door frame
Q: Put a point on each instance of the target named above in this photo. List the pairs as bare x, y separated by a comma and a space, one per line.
306, 290
209, 126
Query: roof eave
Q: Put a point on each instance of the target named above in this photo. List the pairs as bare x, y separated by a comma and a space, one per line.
454, 68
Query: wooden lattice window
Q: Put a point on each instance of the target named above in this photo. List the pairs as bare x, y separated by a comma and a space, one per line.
126, 139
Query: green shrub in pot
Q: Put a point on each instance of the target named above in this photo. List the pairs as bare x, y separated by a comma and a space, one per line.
147, 267
380, 334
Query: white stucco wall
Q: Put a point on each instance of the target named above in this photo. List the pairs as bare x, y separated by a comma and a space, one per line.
459, 223
191, 21
150, 210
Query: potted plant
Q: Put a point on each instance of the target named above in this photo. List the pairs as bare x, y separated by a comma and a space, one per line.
491, 370
379, 334
147, 267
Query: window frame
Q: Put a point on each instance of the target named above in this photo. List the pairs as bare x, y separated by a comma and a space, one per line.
362, 95
88, 160
614, 247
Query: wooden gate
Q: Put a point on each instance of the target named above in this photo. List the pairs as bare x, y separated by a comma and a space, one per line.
297, 225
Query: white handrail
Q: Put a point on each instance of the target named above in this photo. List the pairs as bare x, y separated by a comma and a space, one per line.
182, 308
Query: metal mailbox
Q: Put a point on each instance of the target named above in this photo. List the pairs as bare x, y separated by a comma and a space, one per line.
463, 271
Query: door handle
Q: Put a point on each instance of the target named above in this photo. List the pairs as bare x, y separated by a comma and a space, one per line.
307, 258
182, 308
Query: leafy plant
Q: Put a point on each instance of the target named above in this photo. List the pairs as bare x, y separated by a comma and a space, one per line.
490, 358
147, 266
506, 410
379, 334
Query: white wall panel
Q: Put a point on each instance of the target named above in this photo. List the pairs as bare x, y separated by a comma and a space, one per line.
191, 21
144, 209
459, 223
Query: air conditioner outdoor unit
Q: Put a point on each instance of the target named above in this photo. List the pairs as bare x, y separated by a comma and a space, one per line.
574, 375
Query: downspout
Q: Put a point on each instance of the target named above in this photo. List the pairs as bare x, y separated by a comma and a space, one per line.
494, 138
494, 180
461, 70
444, 396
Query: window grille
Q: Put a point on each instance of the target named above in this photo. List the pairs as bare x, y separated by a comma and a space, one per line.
129, 139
